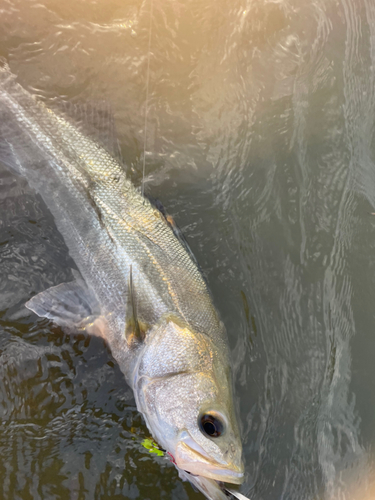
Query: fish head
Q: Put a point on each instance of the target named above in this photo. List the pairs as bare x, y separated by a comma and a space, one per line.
183, 389
208, 443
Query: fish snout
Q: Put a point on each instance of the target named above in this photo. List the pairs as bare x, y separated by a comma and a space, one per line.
195, 460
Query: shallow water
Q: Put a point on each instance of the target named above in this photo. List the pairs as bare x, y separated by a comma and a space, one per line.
260, 143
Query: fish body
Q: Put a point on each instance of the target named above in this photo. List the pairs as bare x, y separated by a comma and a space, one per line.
138, 286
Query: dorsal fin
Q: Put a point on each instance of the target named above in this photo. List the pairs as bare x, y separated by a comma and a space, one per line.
176, 230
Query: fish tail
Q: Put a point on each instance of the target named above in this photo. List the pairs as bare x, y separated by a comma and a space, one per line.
16, 148
8, 128
5, 72
7, 155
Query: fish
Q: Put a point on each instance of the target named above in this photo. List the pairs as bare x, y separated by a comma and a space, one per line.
137, 285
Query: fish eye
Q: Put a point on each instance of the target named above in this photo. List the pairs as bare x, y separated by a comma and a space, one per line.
211, 424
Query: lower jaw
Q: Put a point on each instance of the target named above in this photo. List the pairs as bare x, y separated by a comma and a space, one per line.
224, 476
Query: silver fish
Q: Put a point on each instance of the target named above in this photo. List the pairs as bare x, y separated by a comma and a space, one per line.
138, 287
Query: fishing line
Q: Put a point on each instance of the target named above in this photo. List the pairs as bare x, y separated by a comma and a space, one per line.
147, 91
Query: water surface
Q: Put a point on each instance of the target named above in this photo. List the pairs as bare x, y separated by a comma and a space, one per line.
260, 143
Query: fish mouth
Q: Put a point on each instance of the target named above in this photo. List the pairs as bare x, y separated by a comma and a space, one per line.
190, 457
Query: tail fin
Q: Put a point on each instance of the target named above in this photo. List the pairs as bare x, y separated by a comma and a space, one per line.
5, 72
16, 149
7, 156
20, 149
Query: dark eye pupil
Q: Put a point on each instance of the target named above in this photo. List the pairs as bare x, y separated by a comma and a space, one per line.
211, 425
209, 428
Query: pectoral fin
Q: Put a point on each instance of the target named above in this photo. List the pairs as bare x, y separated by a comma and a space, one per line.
134, 330
69, 305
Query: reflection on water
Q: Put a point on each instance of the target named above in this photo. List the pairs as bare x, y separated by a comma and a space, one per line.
261, 144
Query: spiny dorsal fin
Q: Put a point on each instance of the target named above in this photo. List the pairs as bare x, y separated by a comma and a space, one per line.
133, 332
176, 230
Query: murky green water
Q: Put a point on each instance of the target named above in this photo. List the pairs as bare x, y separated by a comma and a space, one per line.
261, 144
